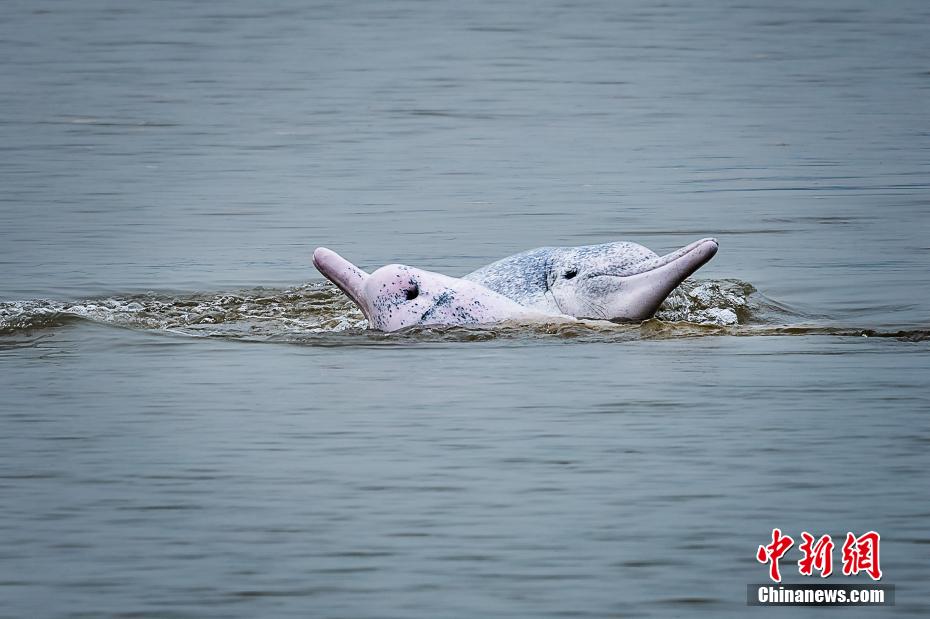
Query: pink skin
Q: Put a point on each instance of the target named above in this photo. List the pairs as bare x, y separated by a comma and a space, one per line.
397, 296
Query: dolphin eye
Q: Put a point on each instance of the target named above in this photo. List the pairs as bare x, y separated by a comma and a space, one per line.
412, 293
571, 273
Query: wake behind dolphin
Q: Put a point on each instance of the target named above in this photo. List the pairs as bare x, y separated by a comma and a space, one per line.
620, 281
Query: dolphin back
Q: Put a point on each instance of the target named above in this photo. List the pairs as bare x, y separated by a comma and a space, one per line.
522, 277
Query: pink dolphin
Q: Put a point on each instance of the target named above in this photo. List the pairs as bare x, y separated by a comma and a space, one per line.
398, 296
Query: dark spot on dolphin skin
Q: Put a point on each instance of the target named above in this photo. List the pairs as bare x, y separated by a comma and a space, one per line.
464, 316
569, 274
444, 298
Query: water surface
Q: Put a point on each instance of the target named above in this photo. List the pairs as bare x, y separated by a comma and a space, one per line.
193, 424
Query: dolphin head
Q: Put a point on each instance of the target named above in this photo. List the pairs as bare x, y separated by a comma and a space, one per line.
397, 296
621, 281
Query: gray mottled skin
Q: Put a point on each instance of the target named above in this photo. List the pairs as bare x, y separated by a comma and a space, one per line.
611, 281
526, 277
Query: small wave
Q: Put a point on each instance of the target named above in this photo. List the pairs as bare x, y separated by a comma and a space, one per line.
313, 307
318, 313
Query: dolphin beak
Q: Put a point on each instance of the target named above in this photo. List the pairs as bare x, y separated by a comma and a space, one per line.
348, 277
653, 280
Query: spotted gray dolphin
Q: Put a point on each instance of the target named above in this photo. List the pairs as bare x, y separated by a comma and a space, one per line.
397, 296
620, 281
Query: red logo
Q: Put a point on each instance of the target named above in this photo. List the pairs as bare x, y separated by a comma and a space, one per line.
817, 556
773, 552
860, 554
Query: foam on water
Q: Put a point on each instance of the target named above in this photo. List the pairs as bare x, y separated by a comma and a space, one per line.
318, 313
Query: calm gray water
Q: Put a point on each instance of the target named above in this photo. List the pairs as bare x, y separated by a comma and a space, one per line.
192, 424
